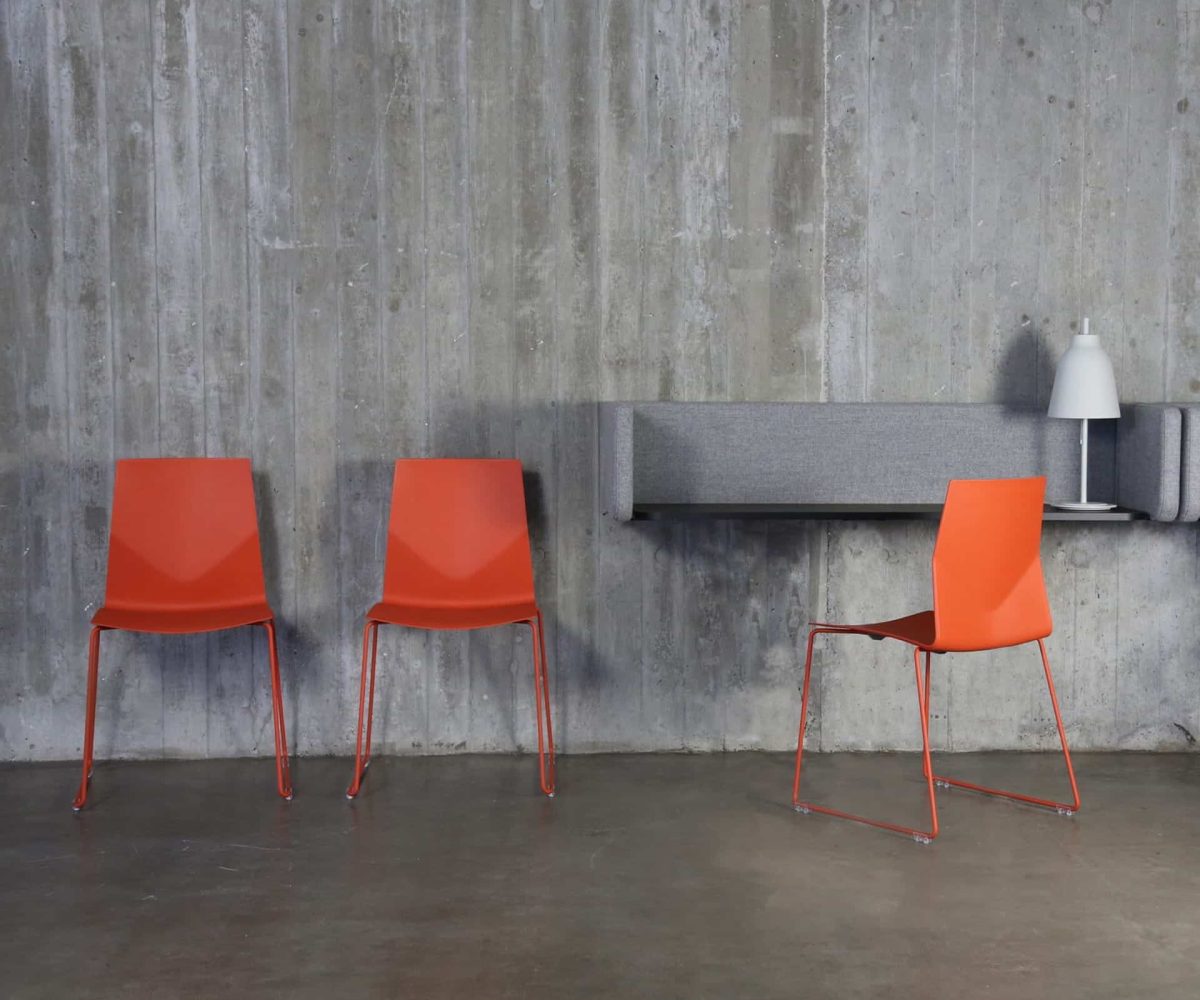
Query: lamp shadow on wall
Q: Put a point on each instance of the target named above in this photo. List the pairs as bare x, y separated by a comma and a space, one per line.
1027, 360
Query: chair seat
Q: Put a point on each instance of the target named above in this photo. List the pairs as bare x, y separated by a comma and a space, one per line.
452, 617
916, 630
198, 620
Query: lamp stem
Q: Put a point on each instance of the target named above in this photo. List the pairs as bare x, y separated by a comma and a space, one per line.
1083, 462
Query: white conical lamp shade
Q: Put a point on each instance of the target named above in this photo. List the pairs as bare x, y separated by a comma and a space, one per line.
1084, 387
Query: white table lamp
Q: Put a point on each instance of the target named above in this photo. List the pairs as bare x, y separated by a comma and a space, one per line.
1084, 389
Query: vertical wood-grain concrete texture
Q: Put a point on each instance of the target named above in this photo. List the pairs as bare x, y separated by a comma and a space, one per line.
329, 233
994, 171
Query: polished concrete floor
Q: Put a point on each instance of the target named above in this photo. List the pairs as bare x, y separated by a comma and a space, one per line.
649, 876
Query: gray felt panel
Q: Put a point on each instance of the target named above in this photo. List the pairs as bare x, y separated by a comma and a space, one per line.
1189, 479
616, 460
1149, 450
837, 452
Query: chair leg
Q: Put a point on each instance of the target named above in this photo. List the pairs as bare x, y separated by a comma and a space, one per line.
927, 764
89, 721
803, 721
366, 707
283, 768
928, 697
546, 699
1064, 808
371, 696
921, 836
545, 728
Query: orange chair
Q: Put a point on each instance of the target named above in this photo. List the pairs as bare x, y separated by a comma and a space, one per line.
457, 558
988, 592
183, 556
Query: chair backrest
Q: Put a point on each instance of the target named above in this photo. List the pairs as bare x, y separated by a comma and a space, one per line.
184, 535
988, 588
458, 536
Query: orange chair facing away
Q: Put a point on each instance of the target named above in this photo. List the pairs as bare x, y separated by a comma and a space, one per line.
457, 558
184, 556
988, 592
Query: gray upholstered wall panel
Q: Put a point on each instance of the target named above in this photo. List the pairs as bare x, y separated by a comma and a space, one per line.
841, 452
1189, 478
615, 427
1149, 449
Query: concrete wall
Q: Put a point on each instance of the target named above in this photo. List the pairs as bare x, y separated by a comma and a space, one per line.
329, 233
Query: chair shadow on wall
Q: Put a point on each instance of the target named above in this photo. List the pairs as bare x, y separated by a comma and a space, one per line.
314, 664
125, 653
315, 649
566, 649
321, 663
299, 647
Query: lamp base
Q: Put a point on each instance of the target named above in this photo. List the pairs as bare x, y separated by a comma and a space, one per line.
1084, 506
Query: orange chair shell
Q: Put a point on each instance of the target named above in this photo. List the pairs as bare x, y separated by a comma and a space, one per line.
184, 556
988, 592
458, 557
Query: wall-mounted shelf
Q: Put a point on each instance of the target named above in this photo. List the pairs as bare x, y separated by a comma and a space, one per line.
848, 512
864, 461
